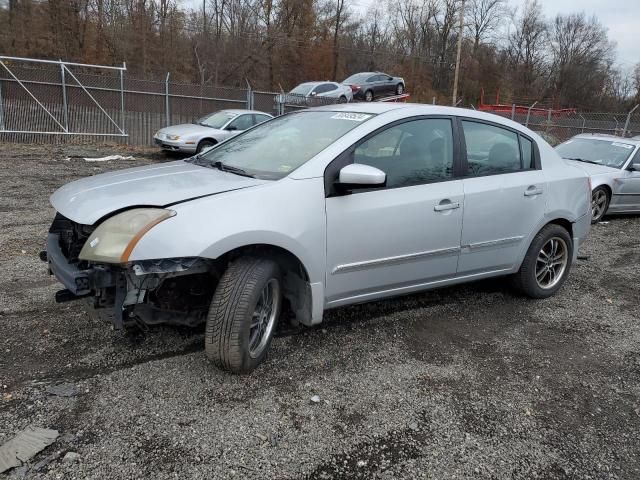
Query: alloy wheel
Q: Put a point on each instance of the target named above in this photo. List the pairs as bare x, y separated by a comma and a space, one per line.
264, 317
551, 262
598, 204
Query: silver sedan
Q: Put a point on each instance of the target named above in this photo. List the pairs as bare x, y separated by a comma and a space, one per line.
308, 90
208, 130
613, 164
317, 209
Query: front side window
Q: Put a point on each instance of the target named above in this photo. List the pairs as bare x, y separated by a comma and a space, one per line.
611, 153
274, 149
410, 153
491, 150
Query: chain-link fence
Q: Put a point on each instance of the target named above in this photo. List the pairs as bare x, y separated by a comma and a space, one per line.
53, 102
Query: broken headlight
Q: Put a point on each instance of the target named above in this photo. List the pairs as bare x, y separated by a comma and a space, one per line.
115, 238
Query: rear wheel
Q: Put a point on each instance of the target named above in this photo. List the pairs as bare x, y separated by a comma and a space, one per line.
368, 96
599, 204
342, 99
400, 89
547, 263
243, 314
205, 144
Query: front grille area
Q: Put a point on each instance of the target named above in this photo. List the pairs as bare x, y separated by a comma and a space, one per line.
72, 236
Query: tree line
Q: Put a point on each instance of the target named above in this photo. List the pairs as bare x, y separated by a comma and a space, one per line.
562, 62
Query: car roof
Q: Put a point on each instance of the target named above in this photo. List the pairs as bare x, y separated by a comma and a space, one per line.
609, 138
239, 111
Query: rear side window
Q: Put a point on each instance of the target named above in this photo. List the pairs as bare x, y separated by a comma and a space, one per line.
526, 148
493, 150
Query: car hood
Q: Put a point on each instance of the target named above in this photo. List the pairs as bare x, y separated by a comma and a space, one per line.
592, 168
89, 199
189, 129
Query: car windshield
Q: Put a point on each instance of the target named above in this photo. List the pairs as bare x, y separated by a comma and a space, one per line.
274, 149
216, 120
303, 89
358, 78
610, 153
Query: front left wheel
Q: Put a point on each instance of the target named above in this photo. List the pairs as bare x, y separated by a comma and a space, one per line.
243, 314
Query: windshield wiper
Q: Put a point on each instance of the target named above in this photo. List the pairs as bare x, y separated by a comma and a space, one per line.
228, 168
577, 159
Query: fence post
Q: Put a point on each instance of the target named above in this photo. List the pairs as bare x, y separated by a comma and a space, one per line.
626, 123
124, 66
1, 109
526, 124
433, 102
63, 84
166, 99
249, 95
513, 111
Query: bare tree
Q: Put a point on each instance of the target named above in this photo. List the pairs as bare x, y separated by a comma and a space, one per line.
483, 17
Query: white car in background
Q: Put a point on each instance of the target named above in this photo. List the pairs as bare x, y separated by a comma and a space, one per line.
613, 163
207, 131
308, 90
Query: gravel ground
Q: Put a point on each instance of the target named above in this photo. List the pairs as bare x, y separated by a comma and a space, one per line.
464, 382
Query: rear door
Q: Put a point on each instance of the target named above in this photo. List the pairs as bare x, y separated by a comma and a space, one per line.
504, 196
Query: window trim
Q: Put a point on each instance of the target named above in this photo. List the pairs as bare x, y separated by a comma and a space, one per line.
343, 159
537, 165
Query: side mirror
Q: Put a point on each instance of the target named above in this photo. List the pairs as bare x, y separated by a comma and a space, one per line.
634, 167
231, 128
313, 94
357, 175
389, 78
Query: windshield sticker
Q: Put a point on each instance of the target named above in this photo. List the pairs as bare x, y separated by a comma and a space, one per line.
354, 117
623, 145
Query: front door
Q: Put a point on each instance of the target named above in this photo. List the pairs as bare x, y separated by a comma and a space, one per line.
626, 198
394, 239
504, 198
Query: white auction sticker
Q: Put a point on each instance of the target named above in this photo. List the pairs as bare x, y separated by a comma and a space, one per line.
354, 117
623, 145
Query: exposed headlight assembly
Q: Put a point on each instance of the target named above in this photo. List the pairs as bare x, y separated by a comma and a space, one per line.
115, 238
172, 137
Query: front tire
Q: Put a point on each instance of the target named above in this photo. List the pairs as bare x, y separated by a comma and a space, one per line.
600, 199
547, 263
243, 314
204, 144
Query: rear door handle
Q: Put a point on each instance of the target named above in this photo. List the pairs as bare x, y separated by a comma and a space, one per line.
532, 191
446, 205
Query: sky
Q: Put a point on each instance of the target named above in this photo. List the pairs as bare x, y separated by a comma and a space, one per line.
621, 17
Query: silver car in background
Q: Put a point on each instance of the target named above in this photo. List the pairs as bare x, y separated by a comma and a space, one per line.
613, 164
308, 90
208, 130
318, 209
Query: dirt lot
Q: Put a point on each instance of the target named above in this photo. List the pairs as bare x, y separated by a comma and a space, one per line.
465, 382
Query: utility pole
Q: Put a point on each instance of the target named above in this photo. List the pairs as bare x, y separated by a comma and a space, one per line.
455, 77
204, 18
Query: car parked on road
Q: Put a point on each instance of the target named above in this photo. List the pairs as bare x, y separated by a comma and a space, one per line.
208, 130
314, 210
613, 164
368, 86
331, 90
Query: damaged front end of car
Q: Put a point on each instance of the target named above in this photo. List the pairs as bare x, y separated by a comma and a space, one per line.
173, 291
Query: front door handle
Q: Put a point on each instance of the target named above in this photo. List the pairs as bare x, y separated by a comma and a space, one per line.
446, 205
533, 191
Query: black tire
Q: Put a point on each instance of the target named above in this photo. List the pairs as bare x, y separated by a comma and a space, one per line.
400, 89
204, 144
234, 302
525, 280
368, 96
342, 99
599, 195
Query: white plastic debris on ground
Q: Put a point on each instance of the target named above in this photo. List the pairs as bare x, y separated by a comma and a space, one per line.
25, 445
108, 158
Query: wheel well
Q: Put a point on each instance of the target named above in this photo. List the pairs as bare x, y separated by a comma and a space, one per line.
212, 140
606, 187
297, 290
564, 223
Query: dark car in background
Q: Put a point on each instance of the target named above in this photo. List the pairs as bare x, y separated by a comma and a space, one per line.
369, 85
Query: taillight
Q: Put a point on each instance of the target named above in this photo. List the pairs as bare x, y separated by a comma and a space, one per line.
355, 88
